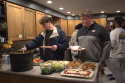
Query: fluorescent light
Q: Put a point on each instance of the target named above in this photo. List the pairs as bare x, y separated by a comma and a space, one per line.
61, 8
117, 11
49, 2
73, 14
68, 12
102, 11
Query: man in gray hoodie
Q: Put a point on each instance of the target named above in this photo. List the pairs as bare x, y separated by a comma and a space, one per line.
94, 38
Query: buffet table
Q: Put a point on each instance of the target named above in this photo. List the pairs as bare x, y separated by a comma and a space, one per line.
34, 76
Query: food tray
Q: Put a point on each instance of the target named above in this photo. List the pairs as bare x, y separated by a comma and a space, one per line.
73, 64
78, 73
92, 66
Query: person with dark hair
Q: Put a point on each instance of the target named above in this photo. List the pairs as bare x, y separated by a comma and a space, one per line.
94, 38
117, 54
123, 25
57, 26
73, 41
51, 36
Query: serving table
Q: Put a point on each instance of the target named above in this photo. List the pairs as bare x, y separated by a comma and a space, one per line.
34, 76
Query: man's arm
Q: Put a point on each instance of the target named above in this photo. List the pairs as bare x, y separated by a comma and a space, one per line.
34, 43
106, 45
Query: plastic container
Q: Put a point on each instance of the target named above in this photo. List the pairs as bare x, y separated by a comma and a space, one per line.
5, 63
58, 66
46, 70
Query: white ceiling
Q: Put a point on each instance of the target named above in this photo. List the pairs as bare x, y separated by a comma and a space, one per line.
76, 6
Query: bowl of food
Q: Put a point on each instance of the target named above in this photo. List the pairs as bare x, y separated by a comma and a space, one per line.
58, 66
46, 70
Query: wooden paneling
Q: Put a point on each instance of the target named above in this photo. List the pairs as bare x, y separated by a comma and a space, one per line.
39, 27
64, 26
29, 20
11, 78
96, 20
14, 21
101, 21
71, 27
56, 21
77, 22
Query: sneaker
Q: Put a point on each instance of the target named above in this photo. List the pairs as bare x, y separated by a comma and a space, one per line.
112, 78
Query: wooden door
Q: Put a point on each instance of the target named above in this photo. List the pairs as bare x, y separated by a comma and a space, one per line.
56, 20
71, 27
14, 21
29, 24
39, 27
64, 26
77, 22
102, 21
96, 20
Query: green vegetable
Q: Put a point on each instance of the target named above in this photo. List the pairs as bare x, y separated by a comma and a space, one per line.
46, 70
58, 66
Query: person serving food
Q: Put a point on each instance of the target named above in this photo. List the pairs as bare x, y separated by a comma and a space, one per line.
51, 36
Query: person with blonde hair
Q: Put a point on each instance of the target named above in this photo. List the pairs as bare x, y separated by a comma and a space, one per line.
94, 38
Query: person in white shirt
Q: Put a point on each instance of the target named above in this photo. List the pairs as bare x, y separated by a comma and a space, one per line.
117, 53
75, 56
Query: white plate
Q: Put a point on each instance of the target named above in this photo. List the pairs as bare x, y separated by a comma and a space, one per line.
46, 46
78, 49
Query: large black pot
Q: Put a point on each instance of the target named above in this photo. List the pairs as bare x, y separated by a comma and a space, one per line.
21, 61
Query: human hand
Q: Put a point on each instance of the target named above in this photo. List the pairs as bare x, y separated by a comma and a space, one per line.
100, 66
23, 49
54, 47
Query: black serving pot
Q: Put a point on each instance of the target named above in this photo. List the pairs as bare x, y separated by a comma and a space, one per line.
21, 61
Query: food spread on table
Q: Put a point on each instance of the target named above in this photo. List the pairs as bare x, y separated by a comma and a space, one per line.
69, 68
78, 73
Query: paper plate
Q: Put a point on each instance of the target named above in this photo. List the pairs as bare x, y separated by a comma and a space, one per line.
46, 46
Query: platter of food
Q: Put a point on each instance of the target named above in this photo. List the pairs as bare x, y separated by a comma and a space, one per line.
73, 64
88, 66
78, 73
